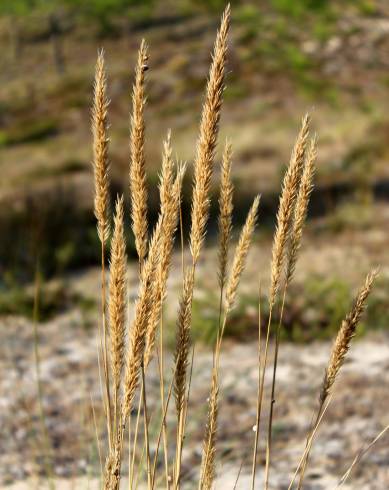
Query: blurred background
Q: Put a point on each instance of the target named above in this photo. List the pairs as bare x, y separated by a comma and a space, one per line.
286, 57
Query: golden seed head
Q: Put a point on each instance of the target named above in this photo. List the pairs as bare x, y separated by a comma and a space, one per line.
117, 294
241, 252
138, 189
286, 207
225, 213
345, 335
100, 150
206, 144
300, 212
170, 203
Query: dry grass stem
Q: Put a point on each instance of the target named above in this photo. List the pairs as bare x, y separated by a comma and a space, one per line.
225, 213
158, 254
137, 341
126, 355
170, 203
338, 354
100, 149
102, 210
111, 477
138, 190
240, 255
166, 180
208, 465
295, 235
286, 208
117, 297
206, 144
203, 168
183, 339
258, 407
300, 212
288, 197
207, 475
209, 446
360, 455
345, 335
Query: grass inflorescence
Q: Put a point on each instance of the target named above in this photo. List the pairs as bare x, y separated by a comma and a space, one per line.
127, 348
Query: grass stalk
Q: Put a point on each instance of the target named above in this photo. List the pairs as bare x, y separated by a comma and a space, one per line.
161, 365
360, 455
338, 354
124, 364
146, 427
256, 431
272, 395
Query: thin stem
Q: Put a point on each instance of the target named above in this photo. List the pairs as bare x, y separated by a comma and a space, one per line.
105, 348
181, 428
273, 389
146, 428
238, 475
129, 453
263, 371
182, 241
138, 472
309, 445
181, 416
256, 438
135, 441
177, 470
310, 441
359, 456
161, 385
161, 429
218, 339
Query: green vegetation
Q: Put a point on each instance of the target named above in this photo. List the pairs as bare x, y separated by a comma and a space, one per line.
314, 310
53, 299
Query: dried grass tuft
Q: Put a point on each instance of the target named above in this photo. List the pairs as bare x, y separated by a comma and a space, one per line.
240, 255
138, 189
288, 197
170, 203
117, 295
344, 337
206, 145
225, 213
100, 149
127, 364
183, 340
300, 212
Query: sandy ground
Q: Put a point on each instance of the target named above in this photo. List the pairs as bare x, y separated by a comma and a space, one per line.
72, 396
70, 379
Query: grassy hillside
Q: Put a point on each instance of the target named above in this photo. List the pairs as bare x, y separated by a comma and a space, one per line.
284, 61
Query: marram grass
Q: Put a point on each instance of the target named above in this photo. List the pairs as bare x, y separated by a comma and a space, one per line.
126, 349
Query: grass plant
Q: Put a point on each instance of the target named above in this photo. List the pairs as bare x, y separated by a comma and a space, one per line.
127, 349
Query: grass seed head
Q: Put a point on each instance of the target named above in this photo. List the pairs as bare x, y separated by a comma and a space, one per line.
138, 189
100, 150
288, 197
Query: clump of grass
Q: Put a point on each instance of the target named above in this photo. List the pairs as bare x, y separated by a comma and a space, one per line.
126, 362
